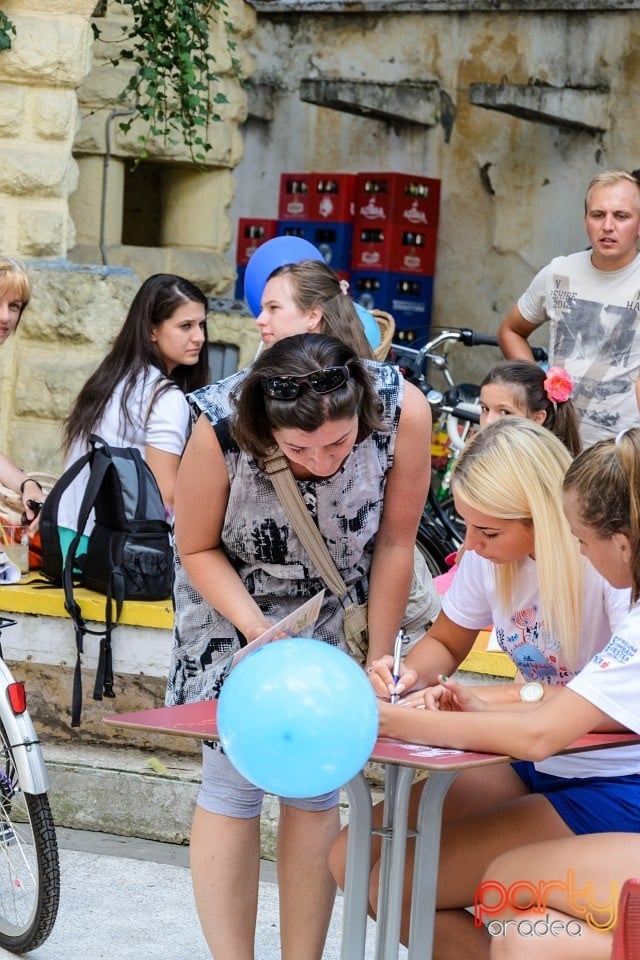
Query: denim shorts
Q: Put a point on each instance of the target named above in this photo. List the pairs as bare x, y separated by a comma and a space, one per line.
589, 805
225, 791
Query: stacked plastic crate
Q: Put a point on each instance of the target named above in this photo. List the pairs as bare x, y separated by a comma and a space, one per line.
319, 208
251, 233
394, 248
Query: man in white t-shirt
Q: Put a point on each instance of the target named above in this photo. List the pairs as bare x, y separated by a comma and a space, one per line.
592, 302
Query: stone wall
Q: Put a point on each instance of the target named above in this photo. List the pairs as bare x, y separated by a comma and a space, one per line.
166, 214
39, 76
58, 93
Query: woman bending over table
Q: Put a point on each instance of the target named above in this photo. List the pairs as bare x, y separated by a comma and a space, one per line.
349, 433
519, 571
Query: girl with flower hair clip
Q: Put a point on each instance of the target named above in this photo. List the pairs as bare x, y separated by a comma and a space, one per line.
521, 388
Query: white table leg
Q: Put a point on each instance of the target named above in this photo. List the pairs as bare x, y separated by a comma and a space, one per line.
356, 888
398, 781
425, 871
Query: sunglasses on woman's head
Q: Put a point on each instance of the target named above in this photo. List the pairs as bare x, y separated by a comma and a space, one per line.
320, 381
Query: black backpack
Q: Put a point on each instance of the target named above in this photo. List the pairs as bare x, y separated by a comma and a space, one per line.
129, 554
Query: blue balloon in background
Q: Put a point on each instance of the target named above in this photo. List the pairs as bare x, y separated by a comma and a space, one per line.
370, 324
274, 253
298, 717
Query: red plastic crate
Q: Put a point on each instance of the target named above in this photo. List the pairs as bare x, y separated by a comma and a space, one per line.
397, 198
294, 199
332, 197
317, 196
251, 234
395, 247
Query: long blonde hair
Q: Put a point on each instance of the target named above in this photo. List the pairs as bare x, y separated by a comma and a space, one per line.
514, 470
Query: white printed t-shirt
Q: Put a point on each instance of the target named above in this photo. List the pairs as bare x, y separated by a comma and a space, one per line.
472, 602
611, 682
594, 318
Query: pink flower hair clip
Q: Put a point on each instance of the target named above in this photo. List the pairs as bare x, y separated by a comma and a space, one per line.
558, 384
344, 287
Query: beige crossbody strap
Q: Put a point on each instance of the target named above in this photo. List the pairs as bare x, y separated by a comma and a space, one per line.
277, 467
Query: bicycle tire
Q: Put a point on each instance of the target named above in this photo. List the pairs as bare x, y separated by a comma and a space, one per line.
428, 543
29, 862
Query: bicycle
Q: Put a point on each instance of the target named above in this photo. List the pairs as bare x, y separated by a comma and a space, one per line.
455, 413
29, 863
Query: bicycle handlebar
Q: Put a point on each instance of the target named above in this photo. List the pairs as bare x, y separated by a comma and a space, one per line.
472, 339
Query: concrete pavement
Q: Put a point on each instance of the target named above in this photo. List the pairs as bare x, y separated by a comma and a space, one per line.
127, 899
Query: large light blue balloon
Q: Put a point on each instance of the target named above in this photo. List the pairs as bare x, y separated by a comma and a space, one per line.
298, 718
268, 257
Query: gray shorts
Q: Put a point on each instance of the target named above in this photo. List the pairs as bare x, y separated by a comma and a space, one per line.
225, 791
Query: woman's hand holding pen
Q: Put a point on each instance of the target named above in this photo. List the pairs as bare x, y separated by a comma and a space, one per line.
380, 672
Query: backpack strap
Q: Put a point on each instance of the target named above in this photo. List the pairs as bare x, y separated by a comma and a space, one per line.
51, 552
99, 462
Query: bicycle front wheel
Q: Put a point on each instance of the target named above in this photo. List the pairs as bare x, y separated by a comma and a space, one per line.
29, 864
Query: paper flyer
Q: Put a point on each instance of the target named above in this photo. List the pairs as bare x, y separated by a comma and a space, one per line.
300, 623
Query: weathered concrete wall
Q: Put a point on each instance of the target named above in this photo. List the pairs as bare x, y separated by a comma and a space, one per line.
512, 188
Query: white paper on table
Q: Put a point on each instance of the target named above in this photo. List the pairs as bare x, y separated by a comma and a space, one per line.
427, 752
300, 623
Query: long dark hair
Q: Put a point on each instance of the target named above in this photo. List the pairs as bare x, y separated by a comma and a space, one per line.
258, 415
134, 352
526, 379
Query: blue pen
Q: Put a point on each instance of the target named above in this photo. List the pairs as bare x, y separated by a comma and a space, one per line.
397, 658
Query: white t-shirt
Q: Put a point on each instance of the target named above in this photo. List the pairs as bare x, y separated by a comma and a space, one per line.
611, 681
594, 317
472, 601
166, 429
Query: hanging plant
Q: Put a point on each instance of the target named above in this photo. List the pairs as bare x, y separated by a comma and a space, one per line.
173, 86
7, 29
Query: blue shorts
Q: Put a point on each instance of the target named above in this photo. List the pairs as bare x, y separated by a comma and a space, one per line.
227, 792
589, 805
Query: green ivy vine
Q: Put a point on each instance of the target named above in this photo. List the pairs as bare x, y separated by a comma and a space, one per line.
173, 86
7, 29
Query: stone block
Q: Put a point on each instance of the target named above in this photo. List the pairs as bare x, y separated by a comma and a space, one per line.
46, 387
12, 109
30, 169
55, 114
36, 444
55, 50
69, 8
42, 232
194, 207
6, 220
104, 84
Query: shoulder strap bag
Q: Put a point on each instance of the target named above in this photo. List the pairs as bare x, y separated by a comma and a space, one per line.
277, 468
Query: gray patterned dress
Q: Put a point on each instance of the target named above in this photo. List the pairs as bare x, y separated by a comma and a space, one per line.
262, 546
